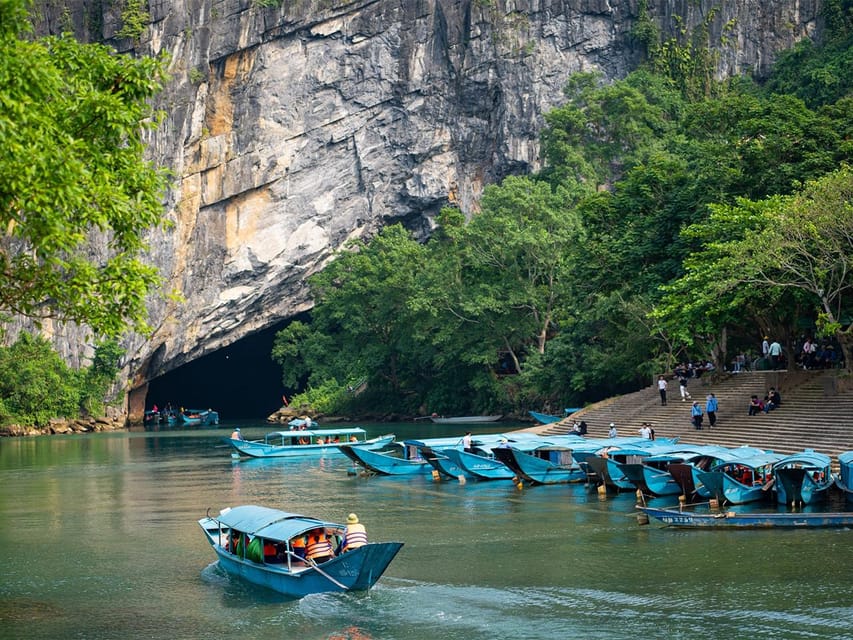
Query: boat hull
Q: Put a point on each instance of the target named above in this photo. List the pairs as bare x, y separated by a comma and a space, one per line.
262, 450
384, 464
479, 467
537, 470
732, 520
466, 419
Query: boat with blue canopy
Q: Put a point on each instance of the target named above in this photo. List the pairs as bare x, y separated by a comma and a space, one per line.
199, 417
803, 478
412, 456
844, 481
308, 442
740, 481
481, 463
748, 520
686, 474
266, 547
606, 464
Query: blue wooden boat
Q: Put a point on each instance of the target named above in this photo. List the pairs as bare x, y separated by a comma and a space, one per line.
308, 442
803, 478
298, 423
735, 520
740, 481
547, 418
264, 552
606, 465
844, 481
654, 474
482, 463
413, 456
199, 417
686, 474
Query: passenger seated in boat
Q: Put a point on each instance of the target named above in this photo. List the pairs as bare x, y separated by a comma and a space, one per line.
319, 549
270, 552
353, 439
297, 545
355, 535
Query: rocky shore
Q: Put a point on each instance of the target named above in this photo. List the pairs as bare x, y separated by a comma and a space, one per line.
60, 426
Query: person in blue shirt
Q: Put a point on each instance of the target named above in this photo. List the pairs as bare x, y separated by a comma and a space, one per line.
711, 409
696, 412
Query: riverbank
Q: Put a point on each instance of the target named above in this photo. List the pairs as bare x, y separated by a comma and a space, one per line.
61, 426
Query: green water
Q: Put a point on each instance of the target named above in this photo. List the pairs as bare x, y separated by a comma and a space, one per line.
99, 540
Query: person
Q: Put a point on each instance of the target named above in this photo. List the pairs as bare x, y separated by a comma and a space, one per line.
503, 443
765, 348
696, 412
809, 349
775, 397
682, 387
466, 442
318, 549
612, 432
662, 390
576, 428
583, 428
775, 354
645, 432
237, 434
353, 439
755, 406
298, 545
711, 409
355, 535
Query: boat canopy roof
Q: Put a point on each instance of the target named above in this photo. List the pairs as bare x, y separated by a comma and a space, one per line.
846, 457
268, 523
806, 459
300, 433
754, 462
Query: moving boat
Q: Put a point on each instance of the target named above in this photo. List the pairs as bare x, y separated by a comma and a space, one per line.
465, 419
734, 520
844, 481
308, 442
741, 481
803, 478
262, 545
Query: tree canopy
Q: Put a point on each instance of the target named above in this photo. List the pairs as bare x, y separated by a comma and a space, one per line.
76, 194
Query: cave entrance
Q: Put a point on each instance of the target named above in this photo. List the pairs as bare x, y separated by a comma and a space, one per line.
239, 381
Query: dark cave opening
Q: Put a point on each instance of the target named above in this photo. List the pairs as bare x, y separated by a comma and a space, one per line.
239, 381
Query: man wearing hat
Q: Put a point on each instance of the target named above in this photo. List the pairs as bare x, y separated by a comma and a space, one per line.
355, 535
236, 434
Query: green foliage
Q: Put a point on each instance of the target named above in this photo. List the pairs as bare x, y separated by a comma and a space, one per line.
134, 18
77, 195
36, 385
328, 398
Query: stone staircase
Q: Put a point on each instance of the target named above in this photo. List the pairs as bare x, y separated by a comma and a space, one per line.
814, 414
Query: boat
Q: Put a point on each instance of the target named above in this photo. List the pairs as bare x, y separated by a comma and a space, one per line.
481, 463
803, 478
258, 530
607, 463
686, 474
753, 520
844, 480
199, 417
412, 457
654, 474
306, 422
547, 418
740, 481
465, 419
308, 442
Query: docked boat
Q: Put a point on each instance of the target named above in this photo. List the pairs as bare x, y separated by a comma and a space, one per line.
607, 464
547, 418
686, 474
308, 442
737, 520
265, 546
413, 456
199, 417
844, 481
803, 478
481, 463
740, 481
465, 419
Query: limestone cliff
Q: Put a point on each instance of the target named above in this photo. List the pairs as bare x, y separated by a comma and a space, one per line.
292, 129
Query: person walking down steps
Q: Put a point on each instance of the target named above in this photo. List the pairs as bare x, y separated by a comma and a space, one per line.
696, 414
682, 387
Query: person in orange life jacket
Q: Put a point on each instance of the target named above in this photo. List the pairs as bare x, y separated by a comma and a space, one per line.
355, 535
319, 548
297, 544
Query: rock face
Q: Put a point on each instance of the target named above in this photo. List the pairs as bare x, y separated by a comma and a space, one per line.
292, 129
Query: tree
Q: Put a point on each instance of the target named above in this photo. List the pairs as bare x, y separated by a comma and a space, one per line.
76, 195
759, 250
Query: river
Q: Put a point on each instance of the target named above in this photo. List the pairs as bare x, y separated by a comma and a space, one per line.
100, 540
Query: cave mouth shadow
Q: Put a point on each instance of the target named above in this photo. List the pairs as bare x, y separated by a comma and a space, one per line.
239, 381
